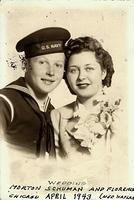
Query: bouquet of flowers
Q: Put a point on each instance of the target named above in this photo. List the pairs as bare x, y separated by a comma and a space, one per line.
91, 127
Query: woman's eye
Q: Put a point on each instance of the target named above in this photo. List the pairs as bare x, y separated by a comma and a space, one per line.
89, 69
73, 70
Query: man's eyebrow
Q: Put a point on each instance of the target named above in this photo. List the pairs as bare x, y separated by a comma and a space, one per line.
59, 61
42, 58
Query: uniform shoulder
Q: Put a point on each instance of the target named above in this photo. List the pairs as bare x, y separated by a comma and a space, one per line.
6, 111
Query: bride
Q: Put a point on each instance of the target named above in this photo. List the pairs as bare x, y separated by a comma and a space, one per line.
85, 130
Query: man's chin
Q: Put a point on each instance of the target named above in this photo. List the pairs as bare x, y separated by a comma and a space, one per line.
47, 91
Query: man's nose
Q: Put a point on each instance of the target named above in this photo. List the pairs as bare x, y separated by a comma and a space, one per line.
50, 70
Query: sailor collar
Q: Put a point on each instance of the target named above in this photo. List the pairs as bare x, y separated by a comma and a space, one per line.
20, 85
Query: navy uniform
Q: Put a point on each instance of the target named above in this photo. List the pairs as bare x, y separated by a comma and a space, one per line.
22, 122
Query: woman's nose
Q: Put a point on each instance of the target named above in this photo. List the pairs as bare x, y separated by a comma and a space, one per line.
82, 75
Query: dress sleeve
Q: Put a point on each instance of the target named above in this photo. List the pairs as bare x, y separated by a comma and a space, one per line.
55, 117
5, 116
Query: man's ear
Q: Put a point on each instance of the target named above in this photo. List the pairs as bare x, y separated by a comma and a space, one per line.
104, 73
27, 65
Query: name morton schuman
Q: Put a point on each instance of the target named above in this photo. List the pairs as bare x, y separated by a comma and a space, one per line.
64, 188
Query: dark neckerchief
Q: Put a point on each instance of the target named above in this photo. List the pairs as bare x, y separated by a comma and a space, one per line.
45, 142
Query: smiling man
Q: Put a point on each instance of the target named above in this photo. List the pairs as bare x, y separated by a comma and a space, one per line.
24, 103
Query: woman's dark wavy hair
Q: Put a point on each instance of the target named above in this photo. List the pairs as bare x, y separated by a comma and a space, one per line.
81, 44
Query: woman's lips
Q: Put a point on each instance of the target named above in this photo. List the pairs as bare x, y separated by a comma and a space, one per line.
82, 85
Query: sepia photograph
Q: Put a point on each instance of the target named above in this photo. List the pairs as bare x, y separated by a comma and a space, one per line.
66, 100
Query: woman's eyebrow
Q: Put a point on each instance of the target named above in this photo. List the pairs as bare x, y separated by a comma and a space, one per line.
89, 64
71, 66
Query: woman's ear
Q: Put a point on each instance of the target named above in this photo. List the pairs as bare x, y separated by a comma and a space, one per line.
104, 73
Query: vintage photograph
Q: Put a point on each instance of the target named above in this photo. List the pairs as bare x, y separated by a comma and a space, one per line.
65, 121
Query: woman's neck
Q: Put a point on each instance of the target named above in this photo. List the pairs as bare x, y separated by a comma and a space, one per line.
89, 102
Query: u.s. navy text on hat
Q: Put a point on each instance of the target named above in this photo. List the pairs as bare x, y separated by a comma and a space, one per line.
44, 41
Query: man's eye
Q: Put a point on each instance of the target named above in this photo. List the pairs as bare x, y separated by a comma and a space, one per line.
43, 62
58, 65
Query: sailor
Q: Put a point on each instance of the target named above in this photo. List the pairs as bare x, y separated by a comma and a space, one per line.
24, 103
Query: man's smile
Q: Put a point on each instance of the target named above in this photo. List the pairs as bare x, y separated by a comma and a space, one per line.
47, 81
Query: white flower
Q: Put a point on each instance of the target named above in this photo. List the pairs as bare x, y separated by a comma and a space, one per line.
106, 119
91, 127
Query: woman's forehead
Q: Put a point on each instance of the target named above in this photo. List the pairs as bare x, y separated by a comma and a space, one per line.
85, 57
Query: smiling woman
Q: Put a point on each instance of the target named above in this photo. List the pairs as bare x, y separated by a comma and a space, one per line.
85, 75
85, 129
88, 69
